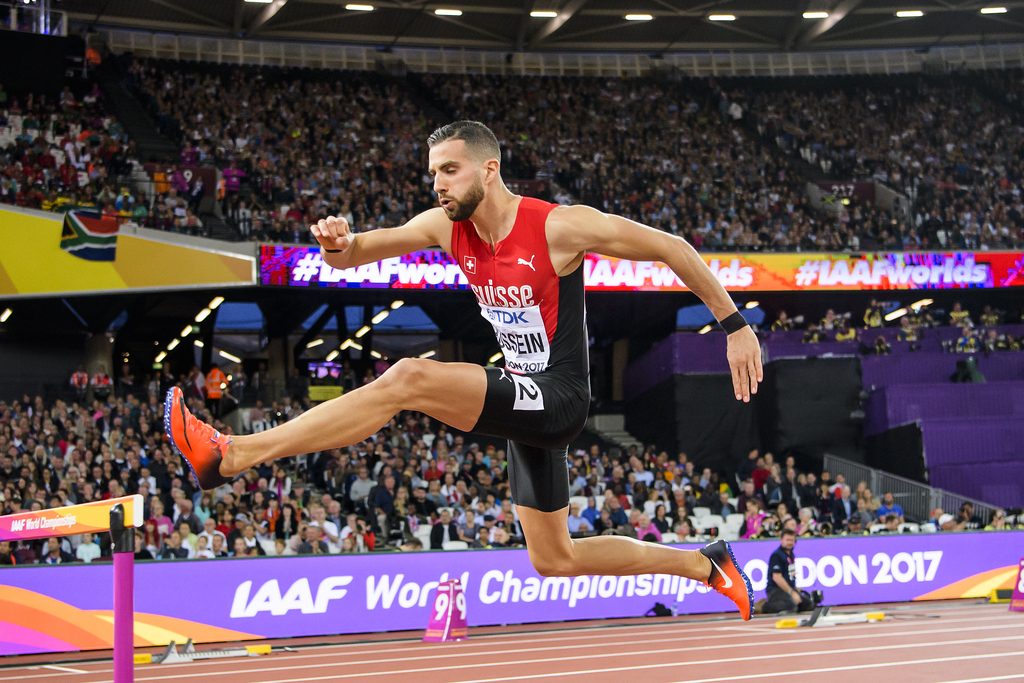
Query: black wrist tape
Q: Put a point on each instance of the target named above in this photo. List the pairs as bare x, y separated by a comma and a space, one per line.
733, 323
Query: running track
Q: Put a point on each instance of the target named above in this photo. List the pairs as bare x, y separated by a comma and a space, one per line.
945, 643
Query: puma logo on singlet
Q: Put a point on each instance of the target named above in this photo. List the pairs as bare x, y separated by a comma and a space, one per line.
524, 262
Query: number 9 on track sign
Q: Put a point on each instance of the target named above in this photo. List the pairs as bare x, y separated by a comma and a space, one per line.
448, 614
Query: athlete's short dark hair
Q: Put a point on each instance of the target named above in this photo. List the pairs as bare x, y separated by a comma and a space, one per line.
480, 141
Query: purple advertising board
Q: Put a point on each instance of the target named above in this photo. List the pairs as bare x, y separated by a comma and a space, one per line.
304, 596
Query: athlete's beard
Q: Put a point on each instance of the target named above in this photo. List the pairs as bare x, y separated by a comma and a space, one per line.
465, 207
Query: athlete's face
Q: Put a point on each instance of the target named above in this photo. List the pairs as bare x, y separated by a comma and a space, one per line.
458, 179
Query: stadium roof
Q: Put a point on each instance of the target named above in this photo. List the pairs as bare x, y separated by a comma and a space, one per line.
599, 25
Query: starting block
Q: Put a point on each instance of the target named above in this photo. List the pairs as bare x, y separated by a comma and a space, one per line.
821, 616
188, 653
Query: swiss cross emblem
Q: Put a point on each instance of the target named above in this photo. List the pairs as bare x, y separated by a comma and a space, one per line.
470, 262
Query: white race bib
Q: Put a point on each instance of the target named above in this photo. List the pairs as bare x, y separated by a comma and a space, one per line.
521, 336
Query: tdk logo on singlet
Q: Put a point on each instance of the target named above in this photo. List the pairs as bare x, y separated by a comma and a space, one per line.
506, 317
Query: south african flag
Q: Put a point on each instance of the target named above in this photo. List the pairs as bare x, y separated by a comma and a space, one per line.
90, 235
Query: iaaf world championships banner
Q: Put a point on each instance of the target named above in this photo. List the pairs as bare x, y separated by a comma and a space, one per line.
304, 267
67, 607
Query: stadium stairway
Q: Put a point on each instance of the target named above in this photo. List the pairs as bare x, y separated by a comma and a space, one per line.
152, 146
612, 428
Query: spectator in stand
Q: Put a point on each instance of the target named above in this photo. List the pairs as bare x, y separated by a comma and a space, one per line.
577, 522
966, 519
443, 531
55, 553
101, 384
873, 315
967, 342
312, 545
892, 523
889, 507
172, 549
958, 317
753, 517
782, 323
863, 513
80, 382
647, 530
842, 508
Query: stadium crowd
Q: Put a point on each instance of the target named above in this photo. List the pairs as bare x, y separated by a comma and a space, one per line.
415, 484
694, 158
980, 332
946, 146
64, 153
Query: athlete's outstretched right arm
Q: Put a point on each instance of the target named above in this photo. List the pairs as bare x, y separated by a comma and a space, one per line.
347, 250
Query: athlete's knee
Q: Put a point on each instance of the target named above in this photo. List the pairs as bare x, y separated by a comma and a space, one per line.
554, 562
407, 374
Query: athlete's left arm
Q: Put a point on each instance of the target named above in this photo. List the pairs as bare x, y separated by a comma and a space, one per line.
579, 229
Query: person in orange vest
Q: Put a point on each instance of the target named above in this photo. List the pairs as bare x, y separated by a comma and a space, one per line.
101, 383
215, 381
80, 381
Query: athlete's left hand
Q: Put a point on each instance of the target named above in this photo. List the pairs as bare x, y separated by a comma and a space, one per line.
744, 354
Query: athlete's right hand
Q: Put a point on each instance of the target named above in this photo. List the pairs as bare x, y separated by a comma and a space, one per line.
332, 233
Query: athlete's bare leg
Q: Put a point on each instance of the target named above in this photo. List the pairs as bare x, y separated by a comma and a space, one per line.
452, 393
554, 553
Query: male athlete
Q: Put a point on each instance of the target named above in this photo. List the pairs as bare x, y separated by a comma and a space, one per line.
523, 259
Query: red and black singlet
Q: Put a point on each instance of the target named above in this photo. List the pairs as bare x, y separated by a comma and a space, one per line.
538, 317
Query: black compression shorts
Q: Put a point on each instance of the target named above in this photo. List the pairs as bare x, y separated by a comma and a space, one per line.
539, 415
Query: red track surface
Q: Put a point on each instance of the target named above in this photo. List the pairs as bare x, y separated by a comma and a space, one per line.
951, 642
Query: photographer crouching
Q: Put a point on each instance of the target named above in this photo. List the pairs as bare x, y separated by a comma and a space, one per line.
783, 595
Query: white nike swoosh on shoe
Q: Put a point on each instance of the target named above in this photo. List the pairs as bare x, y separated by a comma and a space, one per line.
728, 581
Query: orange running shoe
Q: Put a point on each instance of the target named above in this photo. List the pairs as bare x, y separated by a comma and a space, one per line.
727, 578
201, 445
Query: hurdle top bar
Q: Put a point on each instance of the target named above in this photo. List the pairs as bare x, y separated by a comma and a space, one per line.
71, 520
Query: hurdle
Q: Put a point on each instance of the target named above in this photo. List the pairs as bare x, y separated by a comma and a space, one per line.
119, 516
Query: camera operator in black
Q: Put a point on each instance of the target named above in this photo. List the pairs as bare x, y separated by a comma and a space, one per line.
783, 595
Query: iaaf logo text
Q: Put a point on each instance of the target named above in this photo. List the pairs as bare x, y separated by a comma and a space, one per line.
383, 591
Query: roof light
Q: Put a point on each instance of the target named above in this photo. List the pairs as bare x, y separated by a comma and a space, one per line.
380, 316
332, 355
923, 302
5, 315
543, 14
448, 12
638, 17
494, 358
198, 343
173, 345
993, 10
231, 357
357, 347
751, 304
397, 304
898, 313
203, 315
362, 330
374, 354
186, 331
722, 17
430, 354
705, 329
315, 342
359, 8
217, 301
904, 14
160, 356
345, 344
815, 15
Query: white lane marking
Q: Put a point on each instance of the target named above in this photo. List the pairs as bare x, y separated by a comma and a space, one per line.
759, 675
1019, 677
786, 635
548, 660
59, 668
